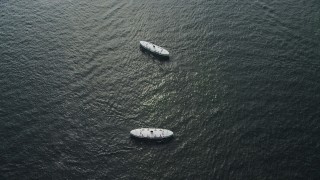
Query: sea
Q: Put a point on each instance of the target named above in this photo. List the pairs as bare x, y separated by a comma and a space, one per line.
240, 91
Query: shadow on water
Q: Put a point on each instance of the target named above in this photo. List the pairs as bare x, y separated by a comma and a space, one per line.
156, 56
150, 142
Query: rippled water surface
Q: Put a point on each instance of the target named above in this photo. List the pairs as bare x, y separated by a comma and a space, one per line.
241, 89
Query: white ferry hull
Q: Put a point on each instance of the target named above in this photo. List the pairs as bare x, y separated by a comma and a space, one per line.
151, 133
154, 48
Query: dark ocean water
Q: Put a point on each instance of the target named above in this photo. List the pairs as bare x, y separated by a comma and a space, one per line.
241, 90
